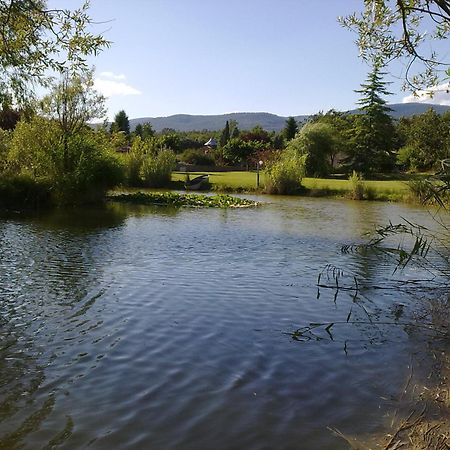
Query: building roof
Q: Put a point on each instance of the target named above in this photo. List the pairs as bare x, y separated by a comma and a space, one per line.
211, 143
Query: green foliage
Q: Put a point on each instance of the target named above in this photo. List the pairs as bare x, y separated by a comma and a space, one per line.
73, 102
197, 157
25, 191
426, 138
8, 116
35, 148
138, 130
284, 175
38, 39
144, 131
317, 142
5, 139
235, 132
134, 159
238, 151
156, 170
356, 186
225, 136
190, 200
170, 140
78, 168
146, 164
278, 141
119, 140
94, 168
291, 129
256, 134
373, 132
403, 29
121, 123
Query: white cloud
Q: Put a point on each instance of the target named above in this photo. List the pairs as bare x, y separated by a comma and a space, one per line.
109, 84
112, 76
437, 95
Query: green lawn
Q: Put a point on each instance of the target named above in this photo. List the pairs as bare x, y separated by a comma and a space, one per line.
236, 180
246, 181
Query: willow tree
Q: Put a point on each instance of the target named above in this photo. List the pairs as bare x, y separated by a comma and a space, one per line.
405, 29
72, 104
37, 41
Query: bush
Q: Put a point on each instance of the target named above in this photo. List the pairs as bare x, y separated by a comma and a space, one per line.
134, 159
284, 175
94, 169
156, 170
409, 158
357, 188
318, 142
25, 191
35, 149
5, 139
197, 157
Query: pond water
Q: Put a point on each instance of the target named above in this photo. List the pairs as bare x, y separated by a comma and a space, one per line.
145, 327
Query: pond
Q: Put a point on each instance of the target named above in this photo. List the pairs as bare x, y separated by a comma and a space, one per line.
148, 327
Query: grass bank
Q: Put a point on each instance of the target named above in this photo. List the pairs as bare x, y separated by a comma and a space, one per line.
386, 189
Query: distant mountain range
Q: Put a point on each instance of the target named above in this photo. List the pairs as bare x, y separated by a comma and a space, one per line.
270, 122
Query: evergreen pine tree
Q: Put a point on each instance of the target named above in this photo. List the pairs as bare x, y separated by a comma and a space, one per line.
138, 130
373, 130
225, 136
290, 129
121, 123
147, 130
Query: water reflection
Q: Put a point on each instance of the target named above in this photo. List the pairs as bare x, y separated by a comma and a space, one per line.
123, 324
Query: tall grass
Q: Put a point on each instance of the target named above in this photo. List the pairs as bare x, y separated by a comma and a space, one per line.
148, 165
284, 175
156, 170
357, 188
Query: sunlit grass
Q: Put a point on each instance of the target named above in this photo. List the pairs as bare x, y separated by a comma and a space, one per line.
246, 181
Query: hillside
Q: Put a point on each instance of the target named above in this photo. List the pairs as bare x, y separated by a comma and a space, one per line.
270, 122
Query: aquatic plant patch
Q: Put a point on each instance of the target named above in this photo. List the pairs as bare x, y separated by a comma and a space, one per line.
178, 200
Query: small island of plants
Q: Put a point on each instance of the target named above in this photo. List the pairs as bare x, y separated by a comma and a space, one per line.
186, 200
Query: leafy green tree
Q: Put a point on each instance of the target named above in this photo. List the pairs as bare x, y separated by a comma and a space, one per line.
317, 142
147, 130
235, 132
138, 130
426, 141
238, 151
121, 123
290, 129
72, 103
341, 124
170, 140
35, 148
278, 141
371, 149
404, 29
38, 40
256, 134
8, 118
5, 139
225, 136
234, 128
284, 173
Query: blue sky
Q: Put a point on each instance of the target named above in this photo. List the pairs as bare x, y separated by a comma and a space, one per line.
286, 57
